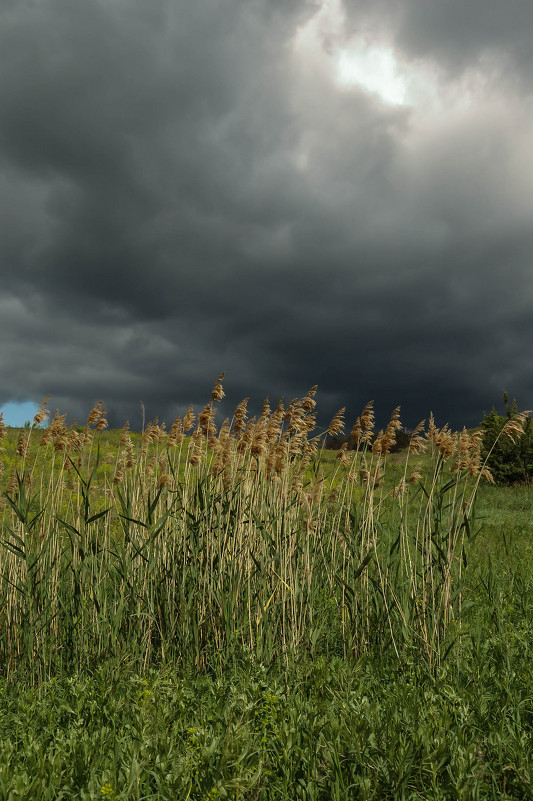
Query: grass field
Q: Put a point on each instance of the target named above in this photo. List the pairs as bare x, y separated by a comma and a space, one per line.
230, 611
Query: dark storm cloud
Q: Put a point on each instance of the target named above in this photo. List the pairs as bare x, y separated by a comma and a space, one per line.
184, 192
454, 34
458, 33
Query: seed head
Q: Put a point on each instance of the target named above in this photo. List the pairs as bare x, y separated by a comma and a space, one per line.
342, 456
205, 420
515, 426
367, 417
389, 438
102, 422
336, 426
414, 477
13, 484
377, 446
42, 414
400, 489
265, 410
188, 420
245, 440
259, 438
294, 414
195, 448
175, 435
124, 436
417, 442
275, 425
309, 402
95, 414
218, 393
487, 475
128, 455
239, 417
355, 433
23, 444
164, 480
74, 440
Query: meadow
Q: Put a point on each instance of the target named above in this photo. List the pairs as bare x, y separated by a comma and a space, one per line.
229, 610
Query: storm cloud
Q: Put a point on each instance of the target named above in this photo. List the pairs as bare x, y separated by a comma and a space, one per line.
196, 187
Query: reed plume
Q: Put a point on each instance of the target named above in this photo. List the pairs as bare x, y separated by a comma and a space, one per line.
218, 393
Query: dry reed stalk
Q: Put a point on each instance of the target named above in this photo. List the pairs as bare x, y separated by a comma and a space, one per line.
474, 451
417, 440
259, 440
188, 420
164, 480
336, 426
13, 483
102, 422
266, 548
206, 421
377, 445
245, 438
356, 433
275, 426
128, 454
218, 393
119, 472
280, 457
462, 454
367, 423
175, 435
75, 442
94, 415
342, 455
295, 416
239, 417
229, 461
389, 438
220, 450
124, 435
43, 413
415, 476
515, 426
445, 441
151, 434
195, 448
265, 410
23, 444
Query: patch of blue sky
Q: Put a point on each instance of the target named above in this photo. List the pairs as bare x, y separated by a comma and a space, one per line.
16, 414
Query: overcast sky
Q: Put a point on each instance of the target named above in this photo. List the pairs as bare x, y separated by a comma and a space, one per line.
294, 192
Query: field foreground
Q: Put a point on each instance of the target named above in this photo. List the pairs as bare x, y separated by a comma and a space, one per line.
236, 613
324, 729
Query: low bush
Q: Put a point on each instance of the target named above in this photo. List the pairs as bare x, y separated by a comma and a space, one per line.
509, 454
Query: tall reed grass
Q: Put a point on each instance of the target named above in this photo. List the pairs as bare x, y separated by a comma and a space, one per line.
200, 543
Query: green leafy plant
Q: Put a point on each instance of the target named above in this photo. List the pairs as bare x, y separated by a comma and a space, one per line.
507, 450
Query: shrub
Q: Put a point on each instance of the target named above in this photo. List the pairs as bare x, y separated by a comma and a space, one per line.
510, 457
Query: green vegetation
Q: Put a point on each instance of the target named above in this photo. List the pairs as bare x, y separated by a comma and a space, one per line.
509, 458
236, 613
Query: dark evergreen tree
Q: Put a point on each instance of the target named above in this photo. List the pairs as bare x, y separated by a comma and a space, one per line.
510, 460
